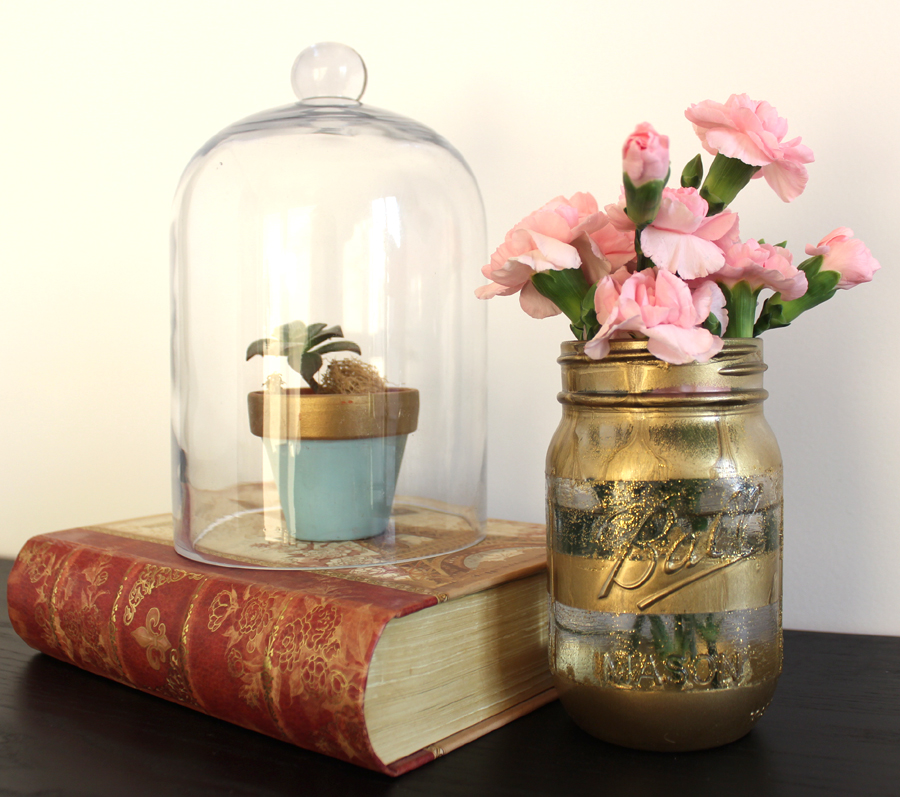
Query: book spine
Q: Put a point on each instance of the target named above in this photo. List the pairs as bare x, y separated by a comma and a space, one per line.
290, 663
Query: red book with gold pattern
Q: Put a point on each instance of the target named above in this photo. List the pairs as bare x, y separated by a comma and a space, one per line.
386, 667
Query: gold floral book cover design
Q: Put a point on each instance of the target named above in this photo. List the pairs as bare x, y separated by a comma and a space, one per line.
285, 653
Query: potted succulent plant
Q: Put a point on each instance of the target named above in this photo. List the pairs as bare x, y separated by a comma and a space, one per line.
335, 446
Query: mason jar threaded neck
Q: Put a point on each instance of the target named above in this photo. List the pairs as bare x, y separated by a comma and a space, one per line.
631, 376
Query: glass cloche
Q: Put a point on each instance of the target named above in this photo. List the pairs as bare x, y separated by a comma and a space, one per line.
328, 354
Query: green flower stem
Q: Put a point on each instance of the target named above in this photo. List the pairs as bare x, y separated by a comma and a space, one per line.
771, 316
740, 302
642, 260
821, 289
681, 627
565, 288
726, 177
660, 636
589, 324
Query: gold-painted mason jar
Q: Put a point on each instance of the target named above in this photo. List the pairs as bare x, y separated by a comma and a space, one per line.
664, 524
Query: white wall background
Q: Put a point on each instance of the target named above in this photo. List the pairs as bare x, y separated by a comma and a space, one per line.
103, 103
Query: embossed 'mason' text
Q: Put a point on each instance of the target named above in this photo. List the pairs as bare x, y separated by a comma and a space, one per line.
643, 670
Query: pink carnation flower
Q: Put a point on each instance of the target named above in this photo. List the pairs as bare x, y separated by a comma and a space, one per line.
658, 305
752, 132
615, 245
645, 156
762, 266
710, 301
618, 218
683, 240
847, 255
540, 242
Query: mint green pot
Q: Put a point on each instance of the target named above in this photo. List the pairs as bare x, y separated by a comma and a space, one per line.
336, 489
336, 458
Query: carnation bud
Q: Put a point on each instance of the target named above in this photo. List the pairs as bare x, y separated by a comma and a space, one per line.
645, 166
645, 156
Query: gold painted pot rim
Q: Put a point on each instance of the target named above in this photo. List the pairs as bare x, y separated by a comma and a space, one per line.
300, 414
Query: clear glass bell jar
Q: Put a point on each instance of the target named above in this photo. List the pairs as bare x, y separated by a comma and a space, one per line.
328, 353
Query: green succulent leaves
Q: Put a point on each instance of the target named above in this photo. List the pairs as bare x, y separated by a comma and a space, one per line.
303, 346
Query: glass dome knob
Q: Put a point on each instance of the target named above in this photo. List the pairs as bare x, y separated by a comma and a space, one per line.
331, 70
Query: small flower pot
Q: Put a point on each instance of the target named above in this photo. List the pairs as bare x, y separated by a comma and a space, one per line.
335, 457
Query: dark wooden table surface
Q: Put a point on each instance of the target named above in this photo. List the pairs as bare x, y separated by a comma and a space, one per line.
833, 729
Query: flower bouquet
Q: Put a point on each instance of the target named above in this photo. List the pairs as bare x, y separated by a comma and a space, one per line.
664, 480
668, 264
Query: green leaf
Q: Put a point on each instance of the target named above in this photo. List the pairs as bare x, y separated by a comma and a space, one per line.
590, 326
292, 333
295, 340
294, 357
565, 288
587, 301
826, 282
712, 324
692, 175
337, 345
716, 205
264, 346
811, 266
310, 363
323, 335
311, 331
